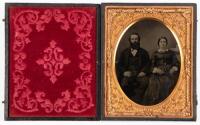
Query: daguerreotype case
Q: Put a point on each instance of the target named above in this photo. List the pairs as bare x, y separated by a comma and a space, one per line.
149, 55
51, 55
142, 68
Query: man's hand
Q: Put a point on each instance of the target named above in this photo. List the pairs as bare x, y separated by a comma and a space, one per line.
141, 74
127, 73
173, 69
157, 70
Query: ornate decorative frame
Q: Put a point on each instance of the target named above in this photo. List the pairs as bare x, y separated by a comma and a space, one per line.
40, 97
181, 20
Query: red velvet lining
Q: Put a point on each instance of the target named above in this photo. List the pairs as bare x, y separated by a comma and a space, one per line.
52, 61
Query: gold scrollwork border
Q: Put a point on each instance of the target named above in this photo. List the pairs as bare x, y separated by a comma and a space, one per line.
179, 19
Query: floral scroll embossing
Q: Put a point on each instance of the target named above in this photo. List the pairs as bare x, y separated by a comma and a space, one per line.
26, 100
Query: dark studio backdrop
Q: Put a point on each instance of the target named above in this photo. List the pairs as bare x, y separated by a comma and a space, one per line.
150, 31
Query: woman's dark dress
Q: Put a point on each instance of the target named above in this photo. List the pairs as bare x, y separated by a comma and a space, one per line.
161, 85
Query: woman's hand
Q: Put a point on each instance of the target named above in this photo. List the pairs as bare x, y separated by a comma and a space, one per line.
173, 69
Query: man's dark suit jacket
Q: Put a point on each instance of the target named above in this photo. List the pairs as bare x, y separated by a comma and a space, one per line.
136, 64
134, 86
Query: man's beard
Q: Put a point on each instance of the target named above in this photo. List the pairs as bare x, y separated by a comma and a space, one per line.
135, 45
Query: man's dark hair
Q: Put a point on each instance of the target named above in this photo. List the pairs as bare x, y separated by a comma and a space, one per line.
135, 34
162, 37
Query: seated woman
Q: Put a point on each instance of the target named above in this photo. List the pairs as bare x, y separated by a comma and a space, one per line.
164, 67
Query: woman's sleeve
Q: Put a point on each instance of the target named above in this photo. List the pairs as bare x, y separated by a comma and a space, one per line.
175, 61
153, 61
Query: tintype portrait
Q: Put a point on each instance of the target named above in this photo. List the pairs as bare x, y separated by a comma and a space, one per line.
147, 62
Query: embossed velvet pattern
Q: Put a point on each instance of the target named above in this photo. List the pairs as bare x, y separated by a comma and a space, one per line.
52, 61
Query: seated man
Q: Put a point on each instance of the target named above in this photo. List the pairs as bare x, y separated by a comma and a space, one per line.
133, 67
